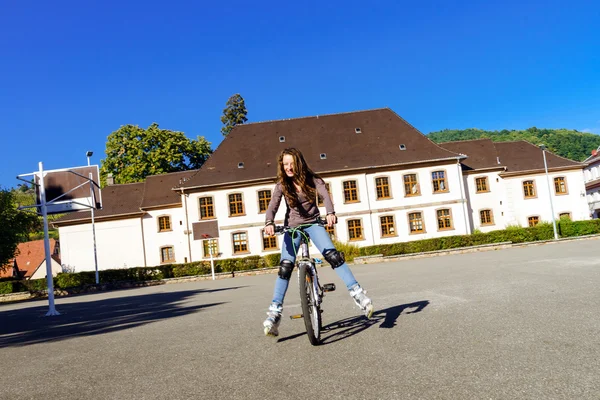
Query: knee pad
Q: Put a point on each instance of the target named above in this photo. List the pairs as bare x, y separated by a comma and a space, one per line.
334, 257
285, 269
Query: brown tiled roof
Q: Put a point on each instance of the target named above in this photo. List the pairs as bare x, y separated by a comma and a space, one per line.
481, 153
158, 189
522, 156
30, 256
117, 200
257, 145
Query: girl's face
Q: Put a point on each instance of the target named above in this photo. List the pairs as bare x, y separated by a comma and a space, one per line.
288, 165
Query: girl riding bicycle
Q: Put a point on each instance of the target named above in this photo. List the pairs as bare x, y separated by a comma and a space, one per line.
299, 185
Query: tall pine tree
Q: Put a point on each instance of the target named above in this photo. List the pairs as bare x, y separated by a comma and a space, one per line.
234, 113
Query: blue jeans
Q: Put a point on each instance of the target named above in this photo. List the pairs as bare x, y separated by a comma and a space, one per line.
321, 239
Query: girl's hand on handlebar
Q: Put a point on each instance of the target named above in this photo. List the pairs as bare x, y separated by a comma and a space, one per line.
331, 220
269, 230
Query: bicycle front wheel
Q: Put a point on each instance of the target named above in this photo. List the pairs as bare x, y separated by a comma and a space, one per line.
310, 308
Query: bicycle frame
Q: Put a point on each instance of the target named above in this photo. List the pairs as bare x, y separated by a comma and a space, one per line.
311, 291
305, 259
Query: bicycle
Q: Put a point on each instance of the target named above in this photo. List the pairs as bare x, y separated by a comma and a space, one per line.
311, 292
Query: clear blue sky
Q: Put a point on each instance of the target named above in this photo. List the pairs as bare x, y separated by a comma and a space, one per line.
74, 71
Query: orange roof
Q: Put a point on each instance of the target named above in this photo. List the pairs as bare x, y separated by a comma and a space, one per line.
30, 255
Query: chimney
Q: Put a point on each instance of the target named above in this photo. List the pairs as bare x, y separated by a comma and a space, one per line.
110, 180
594, 153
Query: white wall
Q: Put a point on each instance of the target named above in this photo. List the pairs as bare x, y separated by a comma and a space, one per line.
176, 237
592, 172
493, 200
118, 244
368, 209
41, 271
519, 208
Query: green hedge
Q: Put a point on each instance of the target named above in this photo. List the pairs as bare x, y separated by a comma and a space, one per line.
514, 234
139, 274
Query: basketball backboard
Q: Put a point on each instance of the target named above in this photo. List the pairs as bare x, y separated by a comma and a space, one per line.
69, 189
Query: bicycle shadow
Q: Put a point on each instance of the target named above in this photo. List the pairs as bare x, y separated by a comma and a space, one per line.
345, 328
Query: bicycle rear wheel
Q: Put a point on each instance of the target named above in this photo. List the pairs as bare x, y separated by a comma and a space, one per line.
310, 309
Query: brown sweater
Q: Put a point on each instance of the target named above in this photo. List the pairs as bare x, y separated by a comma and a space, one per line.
309, 207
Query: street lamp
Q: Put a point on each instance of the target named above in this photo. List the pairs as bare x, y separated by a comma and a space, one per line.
543, 147
88, 154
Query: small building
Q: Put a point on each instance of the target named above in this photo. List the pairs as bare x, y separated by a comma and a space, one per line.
30, 262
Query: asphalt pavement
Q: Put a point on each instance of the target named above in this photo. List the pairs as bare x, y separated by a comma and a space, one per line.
518, 323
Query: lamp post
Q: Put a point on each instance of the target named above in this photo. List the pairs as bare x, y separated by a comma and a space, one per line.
543, 147
88, 154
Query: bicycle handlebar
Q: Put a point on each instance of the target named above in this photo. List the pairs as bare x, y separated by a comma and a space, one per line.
280, 229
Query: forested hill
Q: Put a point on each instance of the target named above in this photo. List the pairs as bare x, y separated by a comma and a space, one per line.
571, 144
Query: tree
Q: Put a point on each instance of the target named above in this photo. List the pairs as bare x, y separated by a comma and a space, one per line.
14, 226
133, 153
563, 142
234, 113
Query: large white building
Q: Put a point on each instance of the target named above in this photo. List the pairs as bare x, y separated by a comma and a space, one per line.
388, 182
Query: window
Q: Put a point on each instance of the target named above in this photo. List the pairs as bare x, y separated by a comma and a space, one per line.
482, 184
236, 204
411, 185
269, 242
486, 217
350, 192
331, 231
164, 223
533, 221
565, 215
209, 245
415, 222
528, 189
560, 185
320, 201
388, 227
264, 198
439, 181
444, 219
355, 229
382, 186
207, 210
240, 242
167, 254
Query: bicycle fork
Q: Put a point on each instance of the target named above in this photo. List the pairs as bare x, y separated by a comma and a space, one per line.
318, 291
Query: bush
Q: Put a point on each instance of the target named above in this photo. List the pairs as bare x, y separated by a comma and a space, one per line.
273, 260
66, 280
350, 250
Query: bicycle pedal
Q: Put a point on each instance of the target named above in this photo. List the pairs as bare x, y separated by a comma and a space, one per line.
297, 316
329, 287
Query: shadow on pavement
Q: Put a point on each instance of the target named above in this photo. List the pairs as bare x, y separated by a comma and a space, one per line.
344, 328
30, 325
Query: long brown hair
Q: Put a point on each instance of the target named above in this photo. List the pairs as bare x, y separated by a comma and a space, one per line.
303, 177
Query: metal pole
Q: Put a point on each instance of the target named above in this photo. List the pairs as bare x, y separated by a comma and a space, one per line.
550, 195
49, 279
94, 226
212, 261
